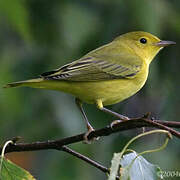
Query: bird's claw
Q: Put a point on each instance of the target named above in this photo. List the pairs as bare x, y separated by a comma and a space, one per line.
114, 123
86, 140
122, 118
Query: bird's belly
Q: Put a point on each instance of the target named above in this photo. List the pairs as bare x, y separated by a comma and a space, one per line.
110, 91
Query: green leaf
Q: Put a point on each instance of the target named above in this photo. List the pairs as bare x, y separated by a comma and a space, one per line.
138, 168
10, 171
133, 167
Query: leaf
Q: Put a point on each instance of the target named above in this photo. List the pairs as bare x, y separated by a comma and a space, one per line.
138, 168
10, 171
133, 167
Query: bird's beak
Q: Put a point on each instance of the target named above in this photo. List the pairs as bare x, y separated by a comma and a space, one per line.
164, 43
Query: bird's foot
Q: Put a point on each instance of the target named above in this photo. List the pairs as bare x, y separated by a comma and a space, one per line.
122, 118
86, 140
114, 123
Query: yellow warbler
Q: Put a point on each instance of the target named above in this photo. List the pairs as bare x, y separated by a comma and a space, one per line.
106, 75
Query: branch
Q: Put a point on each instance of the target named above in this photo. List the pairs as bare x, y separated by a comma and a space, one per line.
122, 126
86, 159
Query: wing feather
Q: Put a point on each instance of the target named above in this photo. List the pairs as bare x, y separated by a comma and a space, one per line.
97, 66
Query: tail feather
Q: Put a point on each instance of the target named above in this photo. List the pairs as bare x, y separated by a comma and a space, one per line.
15, 84
29, 83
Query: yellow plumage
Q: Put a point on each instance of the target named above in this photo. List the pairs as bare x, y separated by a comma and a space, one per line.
106, 75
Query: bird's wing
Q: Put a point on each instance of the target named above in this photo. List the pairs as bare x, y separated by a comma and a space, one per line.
98, 67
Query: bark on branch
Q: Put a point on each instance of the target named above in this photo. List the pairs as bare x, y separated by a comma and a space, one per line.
122, 126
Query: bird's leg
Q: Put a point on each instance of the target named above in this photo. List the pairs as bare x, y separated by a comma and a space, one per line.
89, 127
117, 115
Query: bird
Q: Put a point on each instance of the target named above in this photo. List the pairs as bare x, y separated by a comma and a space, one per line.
106, 75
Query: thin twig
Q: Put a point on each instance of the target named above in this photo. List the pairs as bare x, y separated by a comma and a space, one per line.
162, 126
84, 158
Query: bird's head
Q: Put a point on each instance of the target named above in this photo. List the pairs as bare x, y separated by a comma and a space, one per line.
143, 44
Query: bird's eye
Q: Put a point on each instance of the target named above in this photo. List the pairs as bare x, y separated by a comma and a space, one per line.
143, 40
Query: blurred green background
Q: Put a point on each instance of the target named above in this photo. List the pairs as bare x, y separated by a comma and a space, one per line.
38, 36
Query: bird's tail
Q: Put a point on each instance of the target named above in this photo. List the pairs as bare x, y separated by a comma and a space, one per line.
34, 83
